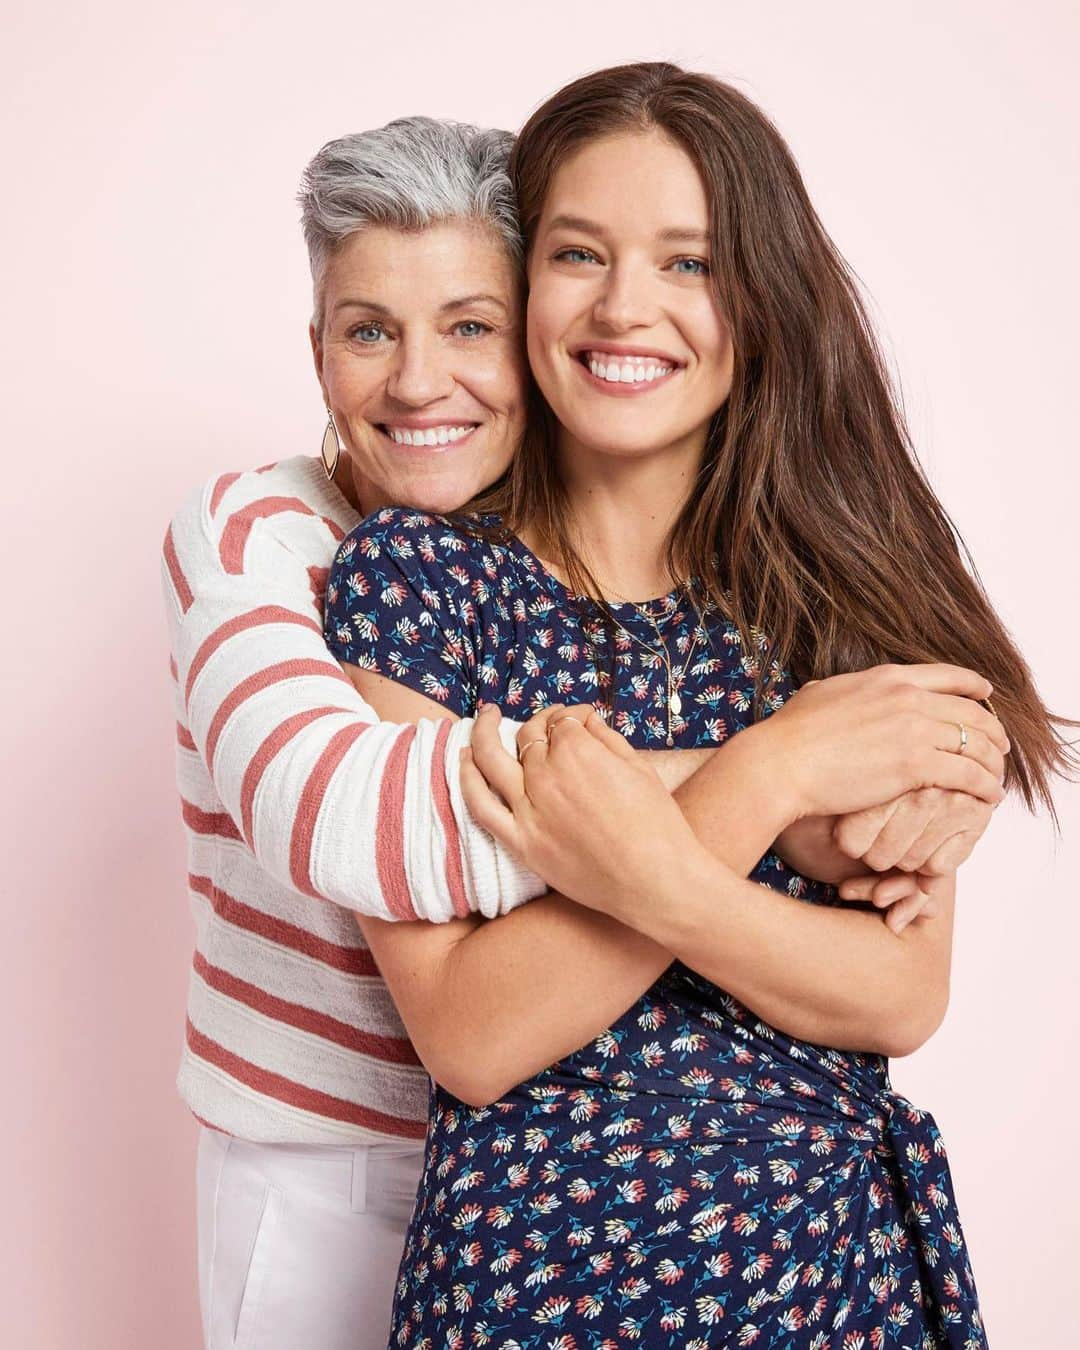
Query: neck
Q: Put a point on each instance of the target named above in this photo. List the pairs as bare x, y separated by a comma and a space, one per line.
623, 511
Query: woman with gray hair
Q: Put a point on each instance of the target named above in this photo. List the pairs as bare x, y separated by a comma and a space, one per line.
311, 1099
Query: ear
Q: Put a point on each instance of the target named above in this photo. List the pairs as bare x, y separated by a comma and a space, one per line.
317, 353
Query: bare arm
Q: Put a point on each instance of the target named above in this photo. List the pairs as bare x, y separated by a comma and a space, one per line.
829, 975
529, 991
541, 982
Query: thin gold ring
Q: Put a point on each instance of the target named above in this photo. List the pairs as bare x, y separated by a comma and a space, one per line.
963, 738
524, 749
553, 722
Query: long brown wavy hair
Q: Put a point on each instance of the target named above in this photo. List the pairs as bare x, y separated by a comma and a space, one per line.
811, 519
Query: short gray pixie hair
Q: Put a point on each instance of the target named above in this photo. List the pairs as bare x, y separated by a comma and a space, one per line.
410, 174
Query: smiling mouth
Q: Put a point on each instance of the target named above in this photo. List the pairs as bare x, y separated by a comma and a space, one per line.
436, 437
616, 372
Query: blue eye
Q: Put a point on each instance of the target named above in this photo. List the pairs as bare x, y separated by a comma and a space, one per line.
575, 255
477, 329
691, 267
368, 333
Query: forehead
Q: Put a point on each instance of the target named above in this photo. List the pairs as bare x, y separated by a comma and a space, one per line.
632, 180
420, 269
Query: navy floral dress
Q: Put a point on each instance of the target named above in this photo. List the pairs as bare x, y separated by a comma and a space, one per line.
693, 1177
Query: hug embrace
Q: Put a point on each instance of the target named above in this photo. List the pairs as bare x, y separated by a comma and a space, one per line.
577, 763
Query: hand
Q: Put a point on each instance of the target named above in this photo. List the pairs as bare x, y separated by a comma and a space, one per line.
579, 807
851, 741
904, 896
931, 831
810, 847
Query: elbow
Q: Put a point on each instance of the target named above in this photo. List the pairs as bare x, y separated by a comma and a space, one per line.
471, 1086
910, 1027
478, 1079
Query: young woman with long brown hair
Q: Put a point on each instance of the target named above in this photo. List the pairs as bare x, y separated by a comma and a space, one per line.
727, 1162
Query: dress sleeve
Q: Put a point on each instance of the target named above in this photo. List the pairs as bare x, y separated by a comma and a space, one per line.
398, 602
311, 781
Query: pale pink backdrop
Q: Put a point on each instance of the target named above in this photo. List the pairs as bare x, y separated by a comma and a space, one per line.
155, 299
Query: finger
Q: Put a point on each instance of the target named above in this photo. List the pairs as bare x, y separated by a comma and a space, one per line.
939, 830
978, 748
894, 888
949, 708
898, 916
538, 724
951, 854
941, 678
948, 770
858, 888
913, 812
484, 806
611, 739
499, 767
853, 834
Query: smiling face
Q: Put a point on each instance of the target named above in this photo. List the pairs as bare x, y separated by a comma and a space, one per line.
624, 336
420, 362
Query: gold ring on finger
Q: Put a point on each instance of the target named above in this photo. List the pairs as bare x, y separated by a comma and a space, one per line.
963, 738
523, 751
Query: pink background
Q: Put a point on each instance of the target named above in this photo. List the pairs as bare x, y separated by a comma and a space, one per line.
155, 302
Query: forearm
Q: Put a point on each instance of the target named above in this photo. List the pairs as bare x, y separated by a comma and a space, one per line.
332, 803
545, 980
675, 767
488, 1004
838, 977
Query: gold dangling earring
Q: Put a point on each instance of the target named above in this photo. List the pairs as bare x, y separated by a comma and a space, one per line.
331, 446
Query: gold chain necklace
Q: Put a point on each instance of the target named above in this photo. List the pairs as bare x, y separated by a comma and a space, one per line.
674, 682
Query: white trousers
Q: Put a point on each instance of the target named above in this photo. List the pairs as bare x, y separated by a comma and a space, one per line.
299, 1246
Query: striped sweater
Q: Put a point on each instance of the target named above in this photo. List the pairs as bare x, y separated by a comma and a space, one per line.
298, 807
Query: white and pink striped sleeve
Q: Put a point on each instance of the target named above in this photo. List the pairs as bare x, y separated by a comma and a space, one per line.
331, 801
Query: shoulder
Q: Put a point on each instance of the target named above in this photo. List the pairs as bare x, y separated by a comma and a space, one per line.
448, 552
288, 502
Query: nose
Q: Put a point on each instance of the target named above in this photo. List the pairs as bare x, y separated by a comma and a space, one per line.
626, 300
420, 373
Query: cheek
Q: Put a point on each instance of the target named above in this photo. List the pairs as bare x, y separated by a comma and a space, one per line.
714, 344
500, 384
351, 382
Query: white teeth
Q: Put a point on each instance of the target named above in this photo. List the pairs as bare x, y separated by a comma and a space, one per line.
630, 370
445, 435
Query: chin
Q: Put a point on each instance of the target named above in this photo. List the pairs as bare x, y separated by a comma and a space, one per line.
439, 499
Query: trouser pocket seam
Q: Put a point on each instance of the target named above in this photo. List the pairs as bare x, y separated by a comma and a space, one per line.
247, 1315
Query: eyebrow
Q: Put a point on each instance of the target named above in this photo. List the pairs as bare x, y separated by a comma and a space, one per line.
480, 298
683, 234
459, 302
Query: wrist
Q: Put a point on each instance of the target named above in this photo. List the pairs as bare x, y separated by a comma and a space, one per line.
688, 902
763, 770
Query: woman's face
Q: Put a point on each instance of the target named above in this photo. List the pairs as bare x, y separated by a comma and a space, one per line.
420, 360
624, 336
